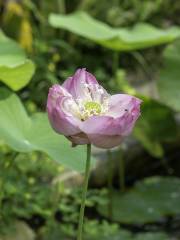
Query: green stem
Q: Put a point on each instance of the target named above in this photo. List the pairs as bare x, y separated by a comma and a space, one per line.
110, 183
85, 187
122, 173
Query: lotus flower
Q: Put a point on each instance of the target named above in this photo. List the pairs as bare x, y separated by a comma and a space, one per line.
84, 112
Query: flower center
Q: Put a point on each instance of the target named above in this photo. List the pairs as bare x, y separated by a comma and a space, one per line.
94, 102
92, 108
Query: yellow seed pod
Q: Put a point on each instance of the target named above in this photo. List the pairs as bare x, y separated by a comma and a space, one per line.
13, 7
25, 35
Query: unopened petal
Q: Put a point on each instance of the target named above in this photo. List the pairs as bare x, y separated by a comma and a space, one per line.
76, 85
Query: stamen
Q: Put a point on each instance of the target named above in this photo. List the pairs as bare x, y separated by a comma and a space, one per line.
95, 101
92, 106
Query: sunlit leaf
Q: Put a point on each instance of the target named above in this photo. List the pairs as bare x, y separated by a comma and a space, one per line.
15, 69
142, 35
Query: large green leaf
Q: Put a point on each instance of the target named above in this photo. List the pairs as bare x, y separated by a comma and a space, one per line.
156, 125
24, 133
122, 39
169, 79
15, 69
148, 201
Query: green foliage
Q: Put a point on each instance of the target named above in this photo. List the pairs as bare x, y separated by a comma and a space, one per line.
168, 82
26, 181
25, 134
15, 69
69, 205
148, 201
123, 39
106, 231
152, 236
32, 185
128, 12
156, 125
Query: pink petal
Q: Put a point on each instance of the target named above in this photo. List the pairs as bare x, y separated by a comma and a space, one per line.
62, 121
106, 131
105, 141
75, 85
122, 103
103, 125
79, 139
102, 131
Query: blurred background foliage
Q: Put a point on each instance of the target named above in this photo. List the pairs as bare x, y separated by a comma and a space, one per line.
130, 46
